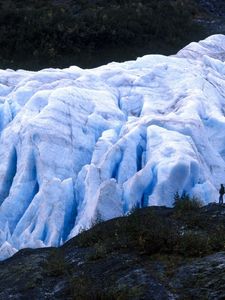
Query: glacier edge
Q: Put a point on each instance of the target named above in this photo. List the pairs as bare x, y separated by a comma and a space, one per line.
80, 145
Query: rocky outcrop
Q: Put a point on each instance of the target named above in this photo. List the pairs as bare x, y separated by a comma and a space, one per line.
178, 256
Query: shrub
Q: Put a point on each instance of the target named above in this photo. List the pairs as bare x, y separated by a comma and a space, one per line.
193, 244
159, 237
47, 32
56, 265
99, 251
217, 238
186, 203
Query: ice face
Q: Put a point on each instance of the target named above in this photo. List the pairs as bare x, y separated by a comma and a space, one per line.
81, 145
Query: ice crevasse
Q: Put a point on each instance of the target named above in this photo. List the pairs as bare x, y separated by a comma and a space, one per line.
76, 145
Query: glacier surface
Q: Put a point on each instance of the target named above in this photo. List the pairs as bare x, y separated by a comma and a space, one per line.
77, 144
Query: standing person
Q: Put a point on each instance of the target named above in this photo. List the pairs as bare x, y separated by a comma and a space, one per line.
222, 192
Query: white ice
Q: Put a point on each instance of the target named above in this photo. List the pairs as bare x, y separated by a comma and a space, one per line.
81, 145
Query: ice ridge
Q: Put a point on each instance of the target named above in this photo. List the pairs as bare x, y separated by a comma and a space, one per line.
79, 145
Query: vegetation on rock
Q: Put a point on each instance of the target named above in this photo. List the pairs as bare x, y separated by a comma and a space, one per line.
59, 33
186, 203
153, 253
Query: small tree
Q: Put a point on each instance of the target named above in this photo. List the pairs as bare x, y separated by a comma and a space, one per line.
185, 202
176, 199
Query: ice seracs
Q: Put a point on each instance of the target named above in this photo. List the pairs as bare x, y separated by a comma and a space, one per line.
79, 145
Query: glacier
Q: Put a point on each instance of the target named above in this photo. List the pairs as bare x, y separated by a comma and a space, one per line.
79, 145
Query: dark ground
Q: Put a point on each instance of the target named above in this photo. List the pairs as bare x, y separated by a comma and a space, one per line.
155, 253
56, 33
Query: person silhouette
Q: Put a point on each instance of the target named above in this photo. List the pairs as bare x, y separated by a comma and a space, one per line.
221, 192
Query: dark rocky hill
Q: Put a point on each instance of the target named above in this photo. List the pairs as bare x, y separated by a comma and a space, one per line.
155, 253
211, 15
57, 33
214, 7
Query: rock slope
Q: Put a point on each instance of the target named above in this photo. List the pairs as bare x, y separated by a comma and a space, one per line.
156, 253
79, 145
